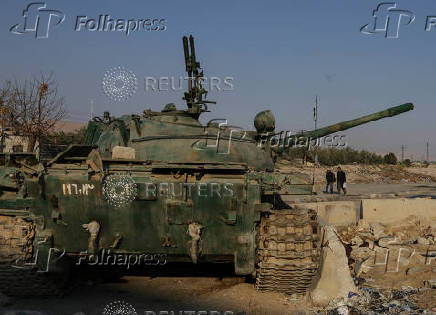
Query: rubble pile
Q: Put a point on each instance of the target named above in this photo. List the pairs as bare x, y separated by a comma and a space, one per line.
393, 267
385, 174
381, 301
393, 256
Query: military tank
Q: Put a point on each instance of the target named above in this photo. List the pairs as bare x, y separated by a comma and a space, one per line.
163, 188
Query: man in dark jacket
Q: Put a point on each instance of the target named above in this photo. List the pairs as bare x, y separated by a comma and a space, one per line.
330, 179
340, 175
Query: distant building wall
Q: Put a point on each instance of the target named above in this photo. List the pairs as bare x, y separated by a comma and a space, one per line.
14, 143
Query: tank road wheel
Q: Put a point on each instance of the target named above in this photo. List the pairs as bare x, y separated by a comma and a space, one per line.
289, 251
16, 244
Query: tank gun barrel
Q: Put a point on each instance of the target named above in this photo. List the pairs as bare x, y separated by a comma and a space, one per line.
321, 132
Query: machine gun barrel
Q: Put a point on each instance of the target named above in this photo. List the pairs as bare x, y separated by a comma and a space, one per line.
186, 51
194, 60
194, 96
313, 134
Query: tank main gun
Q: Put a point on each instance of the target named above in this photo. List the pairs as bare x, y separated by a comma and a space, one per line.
194, 97
267, 123
344, 125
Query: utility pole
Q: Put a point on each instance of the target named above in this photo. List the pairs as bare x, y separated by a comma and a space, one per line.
403, 148
315, 112
3, 127
91, 114
428, 152
315, 119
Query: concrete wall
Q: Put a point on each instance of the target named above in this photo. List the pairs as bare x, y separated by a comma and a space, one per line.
389, 211
12, 140
338, 213
385, 211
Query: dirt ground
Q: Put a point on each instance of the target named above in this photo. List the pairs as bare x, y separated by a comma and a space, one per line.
164, 294
179, 295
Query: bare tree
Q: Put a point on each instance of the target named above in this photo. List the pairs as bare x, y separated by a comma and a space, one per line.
31, 108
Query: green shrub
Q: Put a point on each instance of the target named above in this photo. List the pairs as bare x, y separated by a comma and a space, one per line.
390, 158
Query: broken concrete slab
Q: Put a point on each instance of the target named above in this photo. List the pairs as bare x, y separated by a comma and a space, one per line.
335, 281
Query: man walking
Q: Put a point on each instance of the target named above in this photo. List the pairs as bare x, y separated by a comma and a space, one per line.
330, 179
340, 175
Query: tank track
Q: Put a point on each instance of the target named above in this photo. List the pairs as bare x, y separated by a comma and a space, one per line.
16, 245
289, 252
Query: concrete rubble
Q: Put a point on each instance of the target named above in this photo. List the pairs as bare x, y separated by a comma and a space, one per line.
393, 266
378, 301
391, 256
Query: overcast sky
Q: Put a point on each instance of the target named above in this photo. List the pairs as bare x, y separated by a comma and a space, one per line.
280, 54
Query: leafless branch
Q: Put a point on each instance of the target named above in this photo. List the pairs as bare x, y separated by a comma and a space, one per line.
31, 108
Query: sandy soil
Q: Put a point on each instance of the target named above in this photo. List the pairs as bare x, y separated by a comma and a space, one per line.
428, 171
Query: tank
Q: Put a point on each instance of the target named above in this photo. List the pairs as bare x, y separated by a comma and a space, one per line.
161, 188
